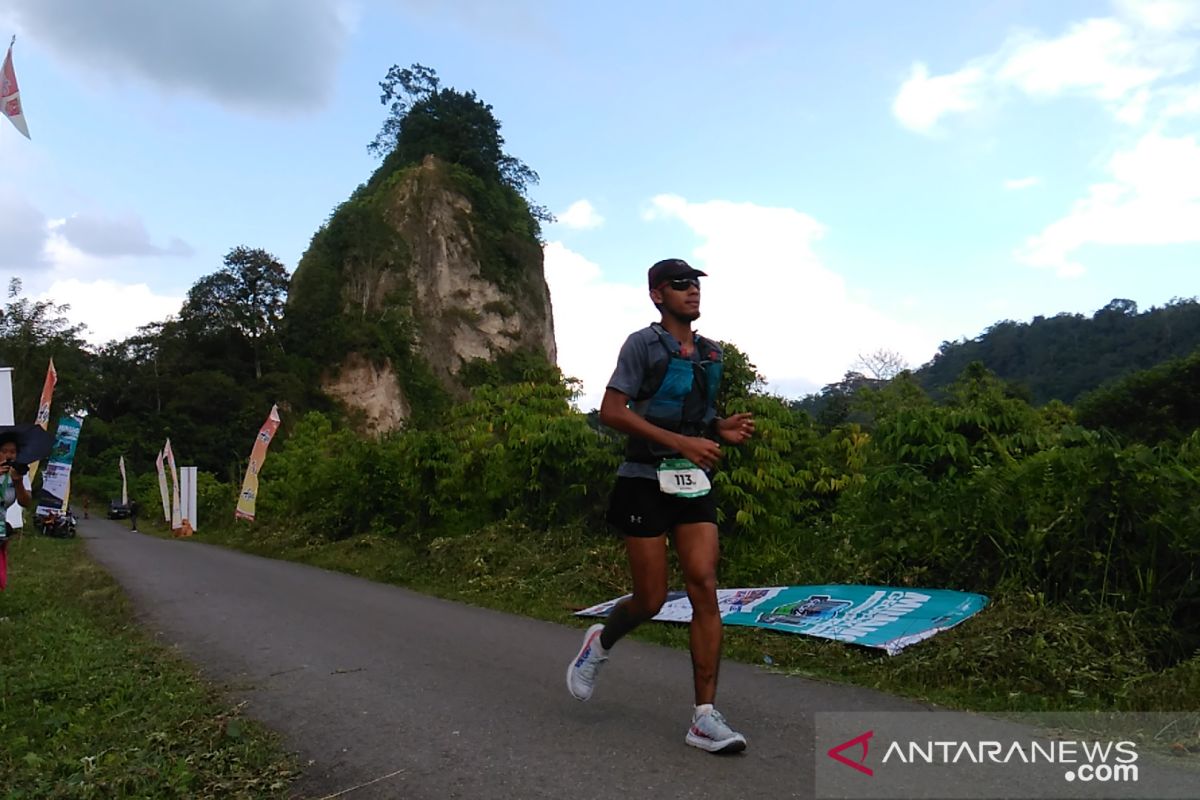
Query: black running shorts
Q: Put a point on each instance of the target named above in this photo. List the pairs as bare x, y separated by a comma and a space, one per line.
638, 508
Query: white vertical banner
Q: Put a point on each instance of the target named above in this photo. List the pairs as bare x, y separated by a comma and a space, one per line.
124, 482
176, 517
16, 516
6, 399
162, 487
188, 477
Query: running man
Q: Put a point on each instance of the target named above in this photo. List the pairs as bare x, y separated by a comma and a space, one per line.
663, 395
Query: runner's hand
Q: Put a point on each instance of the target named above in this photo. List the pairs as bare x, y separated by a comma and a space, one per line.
700, 451
737, 428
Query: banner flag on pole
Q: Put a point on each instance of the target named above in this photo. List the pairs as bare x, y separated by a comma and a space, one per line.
249, 495
56, 479
162, 486
124, 482
176, 519
10, 95
43, 414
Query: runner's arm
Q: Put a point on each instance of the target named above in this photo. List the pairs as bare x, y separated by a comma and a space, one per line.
616, 414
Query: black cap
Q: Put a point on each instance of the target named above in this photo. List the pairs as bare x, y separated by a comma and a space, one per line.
672, 269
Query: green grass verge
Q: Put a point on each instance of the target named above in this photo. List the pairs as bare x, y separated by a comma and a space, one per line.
90, 707
1018, 654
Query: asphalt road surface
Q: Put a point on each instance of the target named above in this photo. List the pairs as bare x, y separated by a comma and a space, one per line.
418, 697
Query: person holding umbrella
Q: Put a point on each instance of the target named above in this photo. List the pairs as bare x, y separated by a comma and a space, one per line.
20, 445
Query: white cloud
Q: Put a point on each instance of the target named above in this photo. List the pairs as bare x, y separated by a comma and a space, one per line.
578, 289
1126, 62
94, 303
1181, 101
1100, 57
923, 100
1014, 184
1162, 15
267, 54
1152, 199
581, 215
769, 293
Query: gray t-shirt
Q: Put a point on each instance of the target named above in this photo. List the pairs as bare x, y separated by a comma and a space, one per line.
639, 359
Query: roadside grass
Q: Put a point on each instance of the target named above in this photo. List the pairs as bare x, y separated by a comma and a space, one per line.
90, 707
1017, 655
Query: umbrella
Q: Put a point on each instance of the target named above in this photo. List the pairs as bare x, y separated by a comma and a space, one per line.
33, 443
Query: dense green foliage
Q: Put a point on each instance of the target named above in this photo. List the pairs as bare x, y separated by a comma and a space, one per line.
1060, 357
31, 334
1158, 404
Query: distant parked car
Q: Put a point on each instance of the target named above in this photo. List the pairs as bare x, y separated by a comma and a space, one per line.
118, 511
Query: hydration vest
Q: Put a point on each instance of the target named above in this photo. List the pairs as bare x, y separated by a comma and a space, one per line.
680, 395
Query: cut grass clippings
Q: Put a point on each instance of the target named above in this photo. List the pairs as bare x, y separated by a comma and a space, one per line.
90, 707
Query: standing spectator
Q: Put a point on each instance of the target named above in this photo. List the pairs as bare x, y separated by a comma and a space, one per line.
14, 488
133, 509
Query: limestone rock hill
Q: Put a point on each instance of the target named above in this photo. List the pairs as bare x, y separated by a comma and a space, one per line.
418, 274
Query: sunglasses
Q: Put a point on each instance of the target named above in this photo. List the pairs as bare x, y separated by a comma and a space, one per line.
683, 284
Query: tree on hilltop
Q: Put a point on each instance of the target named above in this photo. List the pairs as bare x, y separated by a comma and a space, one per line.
426, 119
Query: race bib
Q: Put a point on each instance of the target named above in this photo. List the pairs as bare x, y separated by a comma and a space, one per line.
682, 478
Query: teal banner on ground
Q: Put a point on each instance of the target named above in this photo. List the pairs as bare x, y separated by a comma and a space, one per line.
884, 617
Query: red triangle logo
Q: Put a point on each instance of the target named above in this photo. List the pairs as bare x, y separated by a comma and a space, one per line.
863, 739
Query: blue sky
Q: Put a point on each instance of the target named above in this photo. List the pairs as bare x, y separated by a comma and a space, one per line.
853, 176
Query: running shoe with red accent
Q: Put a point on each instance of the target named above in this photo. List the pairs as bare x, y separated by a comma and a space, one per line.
583, 669
711, 732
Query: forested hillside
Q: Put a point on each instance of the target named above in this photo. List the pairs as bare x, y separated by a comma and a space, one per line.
1063, 356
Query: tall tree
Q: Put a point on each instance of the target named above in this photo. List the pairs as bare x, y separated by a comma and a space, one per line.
31, 333
246, 296
882, 364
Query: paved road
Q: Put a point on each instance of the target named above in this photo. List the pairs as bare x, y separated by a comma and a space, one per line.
365, 680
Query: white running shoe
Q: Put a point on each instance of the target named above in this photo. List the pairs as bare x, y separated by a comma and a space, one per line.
711, 732
582, 671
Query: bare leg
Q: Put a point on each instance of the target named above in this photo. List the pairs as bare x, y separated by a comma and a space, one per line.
699, 550
648, 565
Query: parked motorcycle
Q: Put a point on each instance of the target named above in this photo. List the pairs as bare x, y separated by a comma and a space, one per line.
59, 526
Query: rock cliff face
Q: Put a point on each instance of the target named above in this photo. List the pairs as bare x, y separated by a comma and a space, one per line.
421, 281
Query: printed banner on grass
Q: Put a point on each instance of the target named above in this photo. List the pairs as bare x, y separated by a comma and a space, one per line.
56, 478
249, 495
883, 617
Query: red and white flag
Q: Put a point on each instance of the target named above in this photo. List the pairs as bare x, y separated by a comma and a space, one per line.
10, 95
